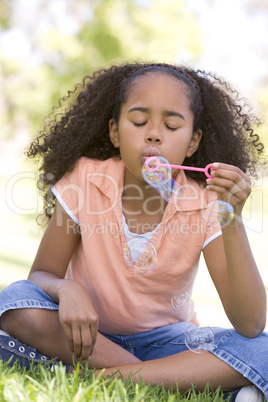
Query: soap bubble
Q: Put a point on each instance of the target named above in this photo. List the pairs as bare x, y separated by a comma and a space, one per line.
156, 171
138, 260
221, 210
180, 301
197, 337
50, 176
157, 168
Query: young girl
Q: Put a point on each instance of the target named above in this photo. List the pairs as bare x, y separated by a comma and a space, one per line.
88, 295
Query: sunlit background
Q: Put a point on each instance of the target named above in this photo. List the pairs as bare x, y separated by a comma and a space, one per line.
47, 46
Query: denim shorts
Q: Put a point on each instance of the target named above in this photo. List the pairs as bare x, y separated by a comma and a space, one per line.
247, 356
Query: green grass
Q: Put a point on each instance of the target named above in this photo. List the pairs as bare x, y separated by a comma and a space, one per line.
41, 385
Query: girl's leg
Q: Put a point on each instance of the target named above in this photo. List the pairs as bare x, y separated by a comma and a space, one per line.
42, 330
186, 368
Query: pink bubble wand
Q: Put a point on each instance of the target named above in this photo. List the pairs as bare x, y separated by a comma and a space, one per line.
157, 164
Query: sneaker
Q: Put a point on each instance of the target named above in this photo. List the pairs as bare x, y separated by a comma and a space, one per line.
245, 394
249, 394
11, 351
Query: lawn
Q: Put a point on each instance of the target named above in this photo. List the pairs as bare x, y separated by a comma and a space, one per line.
39, 384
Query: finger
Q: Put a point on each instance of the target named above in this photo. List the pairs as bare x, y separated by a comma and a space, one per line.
229, 171
224, 195
69, 335
77, 341
240, 190
86, 342
94, 333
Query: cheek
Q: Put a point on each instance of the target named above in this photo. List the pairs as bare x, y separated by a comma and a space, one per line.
127, 134
183, 142
125, 127
179, 150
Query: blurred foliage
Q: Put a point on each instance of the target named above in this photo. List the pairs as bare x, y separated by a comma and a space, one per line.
259, 9
65, 40
263, 110
47, 46
5, 14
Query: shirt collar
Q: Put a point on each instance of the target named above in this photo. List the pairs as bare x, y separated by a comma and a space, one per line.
108, 176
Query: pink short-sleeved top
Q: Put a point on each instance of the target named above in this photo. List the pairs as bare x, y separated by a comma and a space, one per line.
128, 302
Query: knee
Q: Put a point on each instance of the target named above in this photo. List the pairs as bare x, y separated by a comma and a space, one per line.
7, 321
19, 322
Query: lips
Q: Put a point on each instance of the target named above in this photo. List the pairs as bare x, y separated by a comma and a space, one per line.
151, 151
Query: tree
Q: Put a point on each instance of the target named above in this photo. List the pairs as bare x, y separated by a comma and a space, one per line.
65, 40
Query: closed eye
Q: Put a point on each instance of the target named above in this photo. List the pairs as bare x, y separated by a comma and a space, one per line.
171, 128
145, 122
139, 124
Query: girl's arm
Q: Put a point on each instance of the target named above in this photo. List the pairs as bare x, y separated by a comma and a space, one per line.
76, 313
229, 258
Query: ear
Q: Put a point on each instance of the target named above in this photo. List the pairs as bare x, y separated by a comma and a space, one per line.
194, 143
113, 132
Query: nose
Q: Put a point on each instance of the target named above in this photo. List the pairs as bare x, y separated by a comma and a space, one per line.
153, 136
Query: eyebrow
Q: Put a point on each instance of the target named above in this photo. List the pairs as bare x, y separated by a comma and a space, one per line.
166, 113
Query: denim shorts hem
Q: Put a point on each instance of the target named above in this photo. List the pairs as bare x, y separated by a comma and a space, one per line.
246, 356
28, 304
242, 368
25, 294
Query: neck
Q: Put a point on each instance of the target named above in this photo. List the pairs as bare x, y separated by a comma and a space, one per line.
142, 199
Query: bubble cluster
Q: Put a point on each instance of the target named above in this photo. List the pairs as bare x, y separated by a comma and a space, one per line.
140, 261
221, 211
196, 338
180, 301
157, 172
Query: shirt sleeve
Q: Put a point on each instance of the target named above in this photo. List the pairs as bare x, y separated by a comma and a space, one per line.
64, 205
70, 193
212, 237
212, 225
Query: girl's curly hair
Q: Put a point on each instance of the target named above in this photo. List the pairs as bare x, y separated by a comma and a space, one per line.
79, 125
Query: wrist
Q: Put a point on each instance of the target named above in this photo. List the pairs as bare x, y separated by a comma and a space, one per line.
62, 286
235, 225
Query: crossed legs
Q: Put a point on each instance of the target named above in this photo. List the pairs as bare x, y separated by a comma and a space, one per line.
41, 329
186, 368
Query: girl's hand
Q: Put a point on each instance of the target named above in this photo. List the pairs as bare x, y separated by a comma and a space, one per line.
231, 185
78, 318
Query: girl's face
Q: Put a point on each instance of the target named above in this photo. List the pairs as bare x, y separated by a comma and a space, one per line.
155, 121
